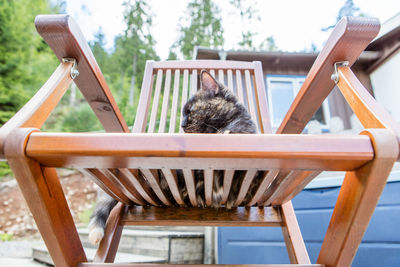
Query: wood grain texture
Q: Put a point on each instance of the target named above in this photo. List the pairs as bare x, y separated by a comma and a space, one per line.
45, 198
154, 181
112, 235
156, 101
34, 113
346, 42
357, 200
208, 185
113, 150
172, 180
184, 95
190, 185
165, 103
266, 181
174, 108
65, 38
196, 265
180, 216
367, 110
244, 187
228, 176
261, 98
291, 232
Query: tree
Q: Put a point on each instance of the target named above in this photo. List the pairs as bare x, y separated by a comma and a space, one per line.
201, 27
268, 44
348, 9
132, 49
248, 16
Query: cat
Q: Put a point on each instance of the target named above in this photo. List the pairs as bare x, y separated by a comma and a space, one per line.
213, 109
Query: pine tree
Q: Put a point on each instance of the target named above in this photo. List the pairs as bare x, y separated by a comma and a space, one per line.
202, 26
348, 9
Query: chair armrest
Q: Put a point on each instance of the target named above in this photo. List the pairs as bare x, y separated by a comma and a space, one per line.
65, 38
349, 38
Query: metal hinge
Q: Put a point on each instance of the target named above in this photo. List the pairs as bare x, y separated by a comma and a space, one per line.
74, 69
335, 75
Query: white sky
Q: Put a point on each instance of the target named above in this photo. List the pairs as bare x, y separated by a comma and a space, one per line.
294, 24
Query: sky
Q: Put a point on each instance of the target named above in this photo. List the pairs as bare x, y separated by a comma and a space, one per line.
294, 24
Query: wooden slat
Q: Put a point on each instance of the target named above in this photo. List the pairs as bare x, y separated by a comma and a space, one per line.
261, 99
45, 198
38, 109
156, 100
241, 216
112, 235
230, 80
358, 32
175, 98
116, 182
239, 87
128, 185
212, 72
357, 200
208, 185
184, 94
250, 97
244, 187
85, 264
291, 232
65, 38
109, 184
155, 185
172, 181
144, 101
165, 104
228, 176
368, 111
294, 186
203, 64
190, 186
140, 185
279, 186
193, 83
221, 76
266, 180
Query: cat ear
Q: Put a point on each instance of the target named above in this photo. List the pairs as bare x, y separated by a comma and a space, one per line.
208, 83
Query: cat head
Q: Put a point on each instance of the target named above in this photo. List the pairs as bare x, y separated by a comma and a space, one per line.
214, 109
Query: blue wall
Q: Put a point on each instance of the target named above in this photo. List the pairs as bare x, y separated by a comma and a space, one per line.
380, 246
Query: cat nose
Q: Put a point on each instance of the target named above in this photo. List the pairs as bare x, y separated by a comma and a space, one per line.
184, 123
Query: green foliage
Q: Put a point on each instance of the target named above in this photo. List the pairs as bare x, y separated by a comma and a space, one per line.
203, 27
4, 170
6, 237
81, 119
84, 216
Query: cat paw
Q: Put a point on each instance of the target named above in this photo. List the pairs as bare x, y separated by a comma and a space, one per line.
96, 235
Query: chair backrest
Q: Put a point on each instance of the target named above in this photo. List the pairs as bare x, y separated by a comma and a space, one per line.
167, 85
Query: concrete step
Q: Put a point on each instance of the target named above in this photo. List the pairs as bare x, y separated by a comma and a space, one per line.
172, 246
40, 253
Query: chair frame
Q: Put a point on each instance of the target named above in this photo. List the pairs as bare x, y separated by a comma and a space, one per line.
368, 158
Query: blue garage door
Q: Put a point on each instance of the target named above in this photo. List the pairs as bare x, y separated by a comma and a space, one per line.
255, 245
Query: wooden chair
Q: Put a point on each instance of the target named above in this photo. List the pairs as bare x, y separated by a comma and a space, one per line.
114, 159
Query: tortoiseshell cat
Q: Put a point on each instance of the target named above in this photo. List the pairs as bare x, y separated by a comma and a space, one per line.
213, 109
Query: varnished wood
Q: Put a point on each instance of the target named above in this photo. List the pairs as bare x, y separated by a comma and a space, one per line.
65, 38
291, 232
228, 176
184, 94
45, 198
239, 87
190, 185
140, 185
144, 101
156, 100
346, 42
165, 103
175, 96
172, 180
154, 182
261, 99
109, 244
250, 97
193, 83
367, 110
244, 187
197, 265
333, 152
357, 200
208, 185
37, 110
203, 64
180, 216
266, 181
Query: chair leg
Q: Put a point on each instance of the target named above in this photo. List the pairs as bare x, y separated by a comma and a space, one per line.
357, 200
109, 244
291, 232
43, 193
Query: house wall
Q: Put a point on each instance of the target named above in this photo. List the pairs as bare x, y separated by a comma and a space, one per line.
386, 83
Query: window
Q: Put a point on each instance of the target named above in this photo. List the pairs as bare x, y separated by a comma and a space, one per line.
281, 93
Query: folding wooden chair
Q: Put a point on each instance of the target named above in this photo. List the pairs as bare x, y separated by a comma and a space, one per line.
114, 159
